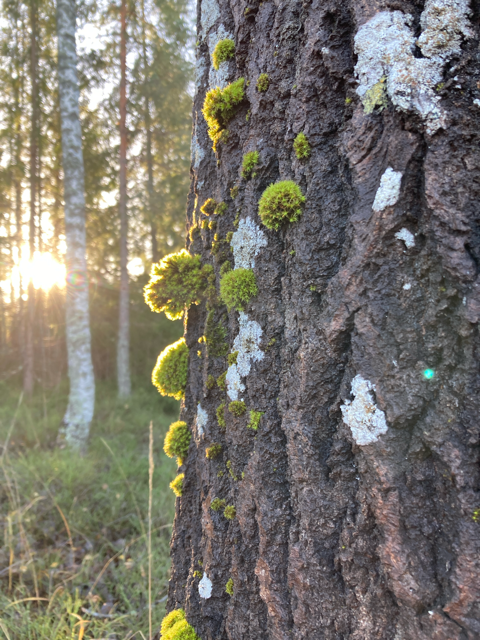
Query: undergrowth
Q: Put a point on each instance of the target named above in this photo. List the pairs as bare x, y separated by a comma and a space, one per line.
73, 551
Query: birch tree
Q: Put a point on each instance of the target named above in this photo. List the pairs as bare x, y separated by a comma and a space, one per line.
80, 370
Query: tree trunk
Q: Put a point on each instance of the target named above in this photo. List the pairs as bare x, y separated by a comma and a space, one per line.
81, 399
29, 364
357, 500
123, 346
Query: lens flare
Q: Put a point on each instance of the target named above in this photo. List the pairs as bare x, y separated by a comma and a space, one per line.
429, 374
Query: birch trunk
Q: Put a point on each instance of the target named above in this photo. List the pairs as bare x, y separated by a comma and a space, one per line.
81, 400
123, 345
357, 500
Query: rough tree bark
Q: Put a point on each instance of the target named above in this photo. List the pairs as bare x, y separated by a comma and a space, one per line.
81, 399
357, 500
123, 344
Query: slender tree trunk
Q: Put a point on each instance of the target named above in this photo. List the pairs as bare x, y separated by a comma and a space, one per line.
357, 499
29, 365
123, 345
80, 370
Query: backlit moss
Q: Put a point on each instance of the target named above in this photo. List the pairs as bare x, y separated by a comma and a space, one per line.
224, 50
221, 208
220, 106
175, 627
301, 146
176, 485
237, 407
221, 415
230, 512
262, 82
229, 587
250, 161
213, 451
208, 207
237, 288
281, 202
217, 504
177, 441
254, 420
221, 381
170, 372
176, 282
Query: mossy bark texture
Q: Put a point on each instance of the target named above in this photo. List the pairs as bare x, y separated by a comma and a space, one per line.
355, 512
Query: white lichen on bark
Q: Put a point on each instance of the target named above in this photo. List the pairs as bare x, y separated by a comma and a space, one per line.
385, 47
407, 237
202, 420
388, 192
205, 587
81, 399
246, 243
366, 421
218, 78
247, 344
209, 14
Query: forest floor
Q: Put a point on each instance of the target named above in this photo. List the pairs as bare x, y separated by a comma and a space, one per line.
74, 554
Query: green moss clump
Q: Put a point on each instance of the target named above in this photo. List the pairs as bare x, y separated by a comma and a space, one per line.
230, 512
249, 162
197, 574
177, 485
232, 358
170, 372
234, 192
215, 336
177, 441
301, 146
229, 236
281, 202
220, 105
224, 50
175, 627
254, 420
229, 587
221, 208
376, 96
210, 382
217, 504
176, 282
221, 381
262, 82
237, 288
237, 407
214, 451
208, 207
225, 268
221, 416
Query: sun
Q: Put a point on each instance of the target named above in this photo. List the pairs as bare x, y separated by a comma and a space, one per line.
43, 270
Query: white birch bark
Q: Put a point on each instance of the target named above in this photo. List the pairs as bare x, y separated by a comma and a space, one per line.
81, 400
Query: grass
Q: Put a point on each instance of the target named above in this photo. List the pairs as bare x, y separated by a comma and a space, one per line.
74, 555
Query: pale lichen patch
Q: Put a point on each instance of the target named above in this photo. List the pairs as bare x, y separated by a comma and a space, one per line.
246, 244
247, 344
209, 14
407, 237
366, 421
202, 420
205, 587
388, 192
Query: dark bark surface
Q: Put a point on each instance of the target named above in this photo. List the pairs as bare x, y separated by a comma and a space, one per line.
334, 539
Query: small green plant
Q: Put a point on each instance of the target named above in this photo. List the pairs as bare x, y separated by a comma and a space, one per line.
170, 372
237, 288
208, 207
292, 252
232, 358
230, 512
221, 208
376, 96
176, 282
229, 587
476, 515
177, 441
215, 337
194, 232
312, 287
210, 384
271, 343
225, 268
262, 82
250, 161
301, 146
237, 407
217, 504
348, 101
224, 50
175, 627
254, 421
197, 574
204, 224
212, 225
237, 219
281, 202
220, 474
230, 470
234, 192
176, 485
229, 237
221, 415
220, 105
214, 451
440, 86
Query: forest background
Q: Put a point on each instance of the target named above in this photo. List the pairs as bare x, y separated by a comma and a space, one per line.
74, 557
